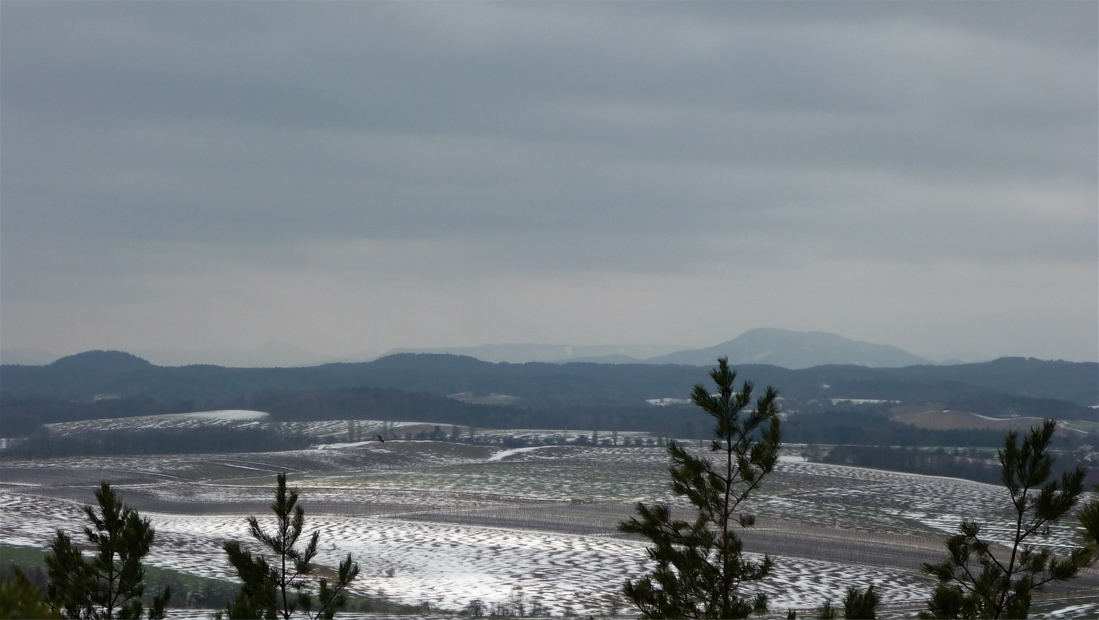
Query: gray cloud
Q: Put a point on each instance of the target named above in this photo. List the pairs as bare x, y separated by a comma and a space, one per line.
493, 143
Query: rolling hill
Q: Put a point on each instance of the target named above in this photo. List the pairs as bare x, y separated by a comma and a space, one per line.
795, 350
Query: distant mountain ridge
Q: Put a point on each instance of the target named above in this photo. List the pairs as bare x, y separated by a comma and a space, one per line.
101, 362
789, 349
553, 353
795, 350
1007, 387
268, 355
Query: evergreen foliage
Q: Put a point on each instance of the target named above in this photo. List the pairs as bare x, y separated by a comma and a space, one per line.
700, 565
978, 581
20, 599
826, 611
281, 587
860, 605
110, 584
857, 605
1088, 518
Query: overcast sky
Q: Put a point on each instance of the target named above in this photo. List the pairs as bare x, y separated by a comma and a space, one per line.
355, 176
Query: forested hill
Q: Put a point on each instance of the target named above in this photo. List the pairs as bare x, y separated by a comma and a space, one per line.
1031, 385
795, 349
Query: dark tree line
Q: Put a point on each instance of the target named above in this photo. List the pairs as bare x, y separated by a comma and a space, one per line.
976, 465
158, 441
876, 429
916, 461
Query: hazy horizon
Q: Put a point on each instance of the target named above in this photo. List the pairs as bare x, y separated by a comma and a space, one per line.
357, 177
275, 353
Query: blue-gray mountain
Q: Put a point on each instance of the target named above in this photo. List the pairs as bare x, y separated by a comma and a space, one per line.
795, 350
83, 376
554, 353
776, 347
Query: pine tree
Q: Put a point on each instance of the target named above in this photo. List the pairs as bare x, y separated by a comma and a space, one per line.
281, 587
1088, 517
860, 605
977, 581
20, 599
700, 565
110, 584
826, 611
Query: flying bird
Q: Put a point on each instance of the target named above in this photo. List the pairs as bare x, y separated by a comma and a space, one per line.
380, 439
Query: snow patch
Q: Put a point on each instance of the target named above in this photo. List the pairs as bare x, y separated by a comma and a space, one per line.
341, 446
228, 415
499, 456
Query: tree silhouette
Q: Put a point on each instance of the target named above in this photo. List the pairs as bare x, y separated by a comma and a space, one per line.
978, 581
281, 587
700, 565
859, 604
110, 583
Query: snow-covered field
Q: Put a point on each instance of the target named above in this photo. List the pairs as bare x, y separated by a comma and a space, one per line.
447, 523
329, 429
228, 417
448, 564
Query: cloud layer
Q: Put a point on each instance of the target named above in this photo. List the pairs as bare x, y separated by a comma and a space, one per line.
360, 175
